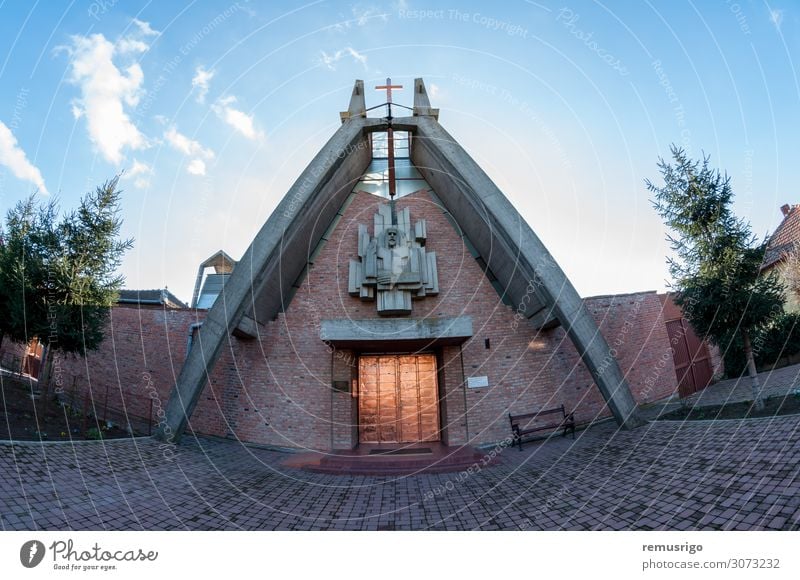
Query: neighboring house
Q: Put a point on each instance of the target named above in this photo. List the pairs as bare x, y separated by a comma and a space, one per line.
783, 255
150, 299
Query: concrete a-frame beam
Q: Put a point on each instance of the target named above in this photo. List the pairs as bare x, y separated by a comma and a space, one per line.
358, 106
422, 104
516, 255
261, 282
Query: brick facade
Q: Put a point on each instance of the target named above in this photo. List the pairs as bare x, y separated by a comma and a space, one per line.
277, 389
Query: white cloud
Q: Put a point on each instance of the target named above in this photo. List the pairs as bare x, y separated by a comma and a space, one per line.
135, 41
185, 145
776, 16
190, 148
240, 121
13, 157
362, 16
434, 91
196, 167
200, 82
330, 60
106, 90
131, 45
144, 28
362, 58
140, 173
138, 168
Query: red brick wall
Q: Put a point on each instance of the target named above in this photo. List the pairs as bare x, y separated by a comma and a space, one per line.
633, 326
526, 369
299, 363
645, 355
276, 390
130, 376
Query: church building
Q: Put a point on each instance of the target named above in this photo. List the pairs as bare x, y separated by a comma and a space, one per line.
394, 297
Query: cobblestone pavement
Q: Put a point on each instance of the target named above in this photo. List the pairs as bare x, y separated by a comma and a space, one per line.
667, 475
773, 383
777, 383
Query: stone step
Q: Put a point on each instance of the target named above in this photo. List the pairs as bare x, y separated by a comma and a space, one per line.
349, 464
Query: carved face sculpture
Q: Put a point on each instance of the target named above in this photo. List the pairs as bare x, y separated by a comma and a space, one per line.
391, 237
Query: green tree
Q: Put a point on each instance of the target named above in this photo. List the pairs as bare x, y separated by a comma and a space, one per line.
716, 268
24, 244
58, 277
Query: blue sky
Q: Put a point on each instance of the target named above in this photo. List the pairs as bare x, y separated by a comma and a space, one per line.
212, 109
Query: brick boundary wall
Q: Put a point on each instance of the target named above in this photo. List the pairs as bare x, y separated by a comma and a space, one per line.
130, 376
276, 389
142, 354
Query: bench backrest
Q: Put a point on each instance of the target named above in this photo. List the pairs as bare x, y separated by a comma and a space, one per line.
515, 419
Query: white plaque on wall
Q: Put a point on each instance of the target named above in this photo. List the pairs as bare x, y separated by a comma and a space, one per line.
477, 382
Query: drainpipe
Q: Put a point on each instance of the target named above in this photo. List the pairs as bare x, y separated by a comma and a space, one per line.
192, 327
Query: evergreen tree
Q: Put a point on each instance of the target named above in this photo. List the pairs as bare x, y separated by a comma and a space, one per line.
58, 278
25, 244
716, 268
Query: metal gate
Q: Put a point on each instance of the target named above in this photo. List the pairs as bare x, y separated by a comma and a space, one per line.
398, 400
692, 360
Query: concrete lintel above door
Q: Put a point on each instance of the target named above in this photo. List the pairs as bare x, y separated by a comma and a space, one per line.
408, 332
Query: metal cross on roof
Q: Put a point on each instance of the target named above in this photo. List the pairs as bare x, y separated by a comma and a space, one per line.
390, 143
388, 88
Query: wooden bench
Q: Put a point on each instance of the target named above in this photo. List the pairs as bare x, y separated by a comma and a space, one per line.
565, 421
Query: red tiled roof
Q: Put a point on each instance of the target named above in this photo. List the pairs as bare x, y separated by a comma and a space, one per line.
784, 239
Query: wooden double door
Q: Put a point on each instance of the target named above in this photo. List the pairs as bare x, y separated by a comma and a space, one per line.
691, 357
398, 399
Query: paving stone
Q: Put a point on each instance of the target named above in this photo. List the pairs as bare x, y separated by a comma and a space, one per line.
666, 475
